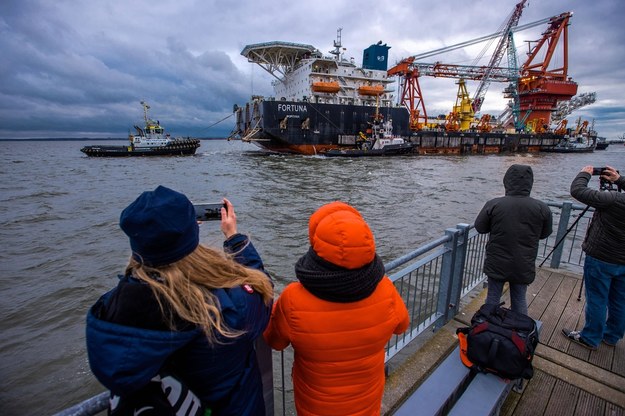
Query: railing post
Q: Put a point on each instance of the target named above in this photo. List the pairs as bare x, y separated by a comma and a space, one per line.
447, 282
459, 264
565, 215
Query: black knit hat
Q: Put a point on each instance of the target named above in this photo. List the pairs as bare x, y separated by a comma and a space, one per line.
161, 226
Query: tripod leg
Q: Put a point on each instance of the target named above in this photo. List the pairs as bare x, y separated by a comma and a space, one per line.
579, 295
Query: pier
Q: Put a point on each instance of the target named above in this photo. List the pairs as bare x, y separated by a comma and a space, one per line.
442, 285
568, 379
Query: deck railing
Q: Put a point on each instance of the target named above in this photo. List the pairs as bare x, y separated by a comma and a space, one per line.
431, 280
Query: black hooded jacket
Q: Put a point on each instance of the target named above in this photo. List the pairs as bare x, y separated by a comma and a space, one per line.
516, 222
605, 238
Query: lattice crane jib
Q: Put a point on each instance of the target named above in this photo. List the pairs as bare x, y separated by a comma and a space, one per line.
495, 60
534, 93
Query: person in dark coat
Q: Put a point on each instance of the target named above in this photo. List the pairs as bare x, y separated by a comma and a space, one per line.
516, 222
604, 266
182, 308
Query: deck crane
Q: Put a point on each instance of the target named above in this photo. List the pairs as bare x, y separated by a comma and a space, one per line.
506, 43
410, 70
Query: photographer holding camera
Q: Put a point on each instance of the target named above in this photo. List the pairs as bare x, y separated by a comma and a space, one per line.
181, 311
604, 267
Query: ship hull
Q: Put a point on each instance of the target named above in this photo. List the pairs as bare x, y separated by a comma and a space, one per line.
311, 128
184, 147
388, 150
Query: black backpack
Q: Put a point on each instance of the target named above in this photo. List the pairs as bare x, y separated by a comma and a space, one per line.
499, 341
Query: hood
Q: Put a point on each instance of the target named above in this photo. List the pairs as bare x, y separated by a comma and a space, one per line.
518, 180
338, 234
125, 358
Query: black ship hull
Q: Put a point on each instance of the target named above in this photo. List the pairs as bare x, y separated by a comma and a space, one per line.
183, 147
313, 128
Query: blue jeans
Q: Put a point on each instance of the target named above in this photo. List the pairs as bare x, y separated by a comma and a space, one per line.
517, 295
605, 297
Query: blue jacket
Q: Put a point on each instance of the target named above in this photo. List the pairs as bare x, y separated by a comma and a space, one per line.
225, 375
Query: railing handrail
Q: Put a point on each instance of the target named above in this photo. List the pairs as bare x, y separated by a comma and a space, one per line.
452, 259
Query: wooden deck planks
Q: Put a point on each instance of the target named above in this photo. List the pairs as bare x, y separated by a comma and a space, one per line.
554, 310
552, 298
543, 297
568, 317
589, 404
618, 363
563, 399
612, 410
536, 395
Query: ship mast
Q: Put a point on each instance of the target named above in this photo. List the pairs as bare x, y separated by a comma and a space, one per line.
337, 45
146, 107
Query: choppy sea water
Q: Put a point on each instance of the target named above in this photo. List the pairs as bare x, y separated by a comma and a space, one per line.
61, 246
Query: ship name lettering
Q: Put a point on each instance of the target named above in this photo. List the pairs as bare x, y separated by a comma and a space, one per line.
301, 108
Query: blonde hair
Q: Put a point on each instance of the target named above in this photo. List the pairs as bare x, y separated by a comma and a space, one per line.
186, 286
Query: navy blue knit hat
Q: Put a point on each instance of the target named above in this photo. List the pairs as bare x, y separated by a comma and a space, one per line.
161, 226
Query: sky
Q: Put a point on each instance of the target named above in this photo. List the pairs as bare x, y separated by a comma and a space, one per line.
79, 68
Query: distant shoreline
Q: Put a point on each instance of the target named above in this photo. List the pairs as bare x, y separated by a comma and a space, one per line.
82, 139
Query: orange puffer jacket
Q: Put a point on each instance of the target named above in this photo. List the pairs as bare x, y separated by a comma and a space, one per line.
339, 348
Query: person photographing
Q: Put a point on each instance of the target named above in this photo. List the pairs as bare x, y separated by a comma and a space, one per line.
604, 266
181, 308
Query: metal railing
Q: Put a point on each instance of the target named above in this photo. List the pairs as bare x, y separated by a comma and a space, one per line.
431, 280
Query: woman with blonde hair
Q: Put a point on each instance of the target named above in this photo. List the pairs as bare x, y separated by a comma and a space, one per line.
181, 309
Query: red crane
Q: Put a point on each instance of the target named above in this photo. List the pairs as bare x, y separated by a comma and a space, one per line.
539, 89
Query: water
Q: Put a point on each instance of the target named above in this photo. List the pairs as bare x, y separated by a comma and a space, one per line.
62, 247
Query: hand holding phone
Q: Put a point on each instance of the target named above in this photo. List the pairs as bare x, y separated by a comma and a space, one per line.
209, 211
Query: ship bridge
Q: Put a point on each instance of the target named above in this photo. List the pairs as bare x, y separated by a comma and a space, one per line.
278, 58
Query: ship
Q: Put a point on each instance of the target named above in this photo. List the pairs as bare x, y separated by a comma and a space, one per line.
324, 103
380, 142
150, 140
602, 143
582, 139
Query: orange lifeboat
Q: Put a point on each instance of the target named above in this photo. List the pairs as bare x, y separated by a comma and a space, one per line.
331, 87
371, 90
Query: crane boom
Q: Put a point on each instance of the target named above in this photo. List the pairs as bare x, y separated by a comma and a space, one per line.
439, 69
495, 59
479, 40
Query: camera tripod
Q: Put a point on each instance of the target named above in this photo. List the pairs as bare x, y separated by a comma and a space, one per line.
579, 295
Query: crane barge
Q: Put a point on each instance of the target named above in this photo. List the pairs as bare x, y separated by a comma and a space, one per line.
327, 103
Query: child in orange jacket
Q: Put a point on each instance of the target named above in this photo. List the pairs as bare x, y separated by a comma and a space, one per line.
338, 317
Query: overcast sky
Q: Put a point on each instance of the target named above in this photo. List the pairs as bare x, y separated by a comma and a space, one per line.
79, 68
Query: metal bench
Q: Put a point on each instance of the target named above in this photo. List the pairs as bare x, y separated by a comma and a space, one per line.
452, 390
438, 393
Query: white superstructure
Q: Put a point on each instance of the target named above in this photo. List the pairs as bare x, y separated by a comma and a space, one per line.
303, 73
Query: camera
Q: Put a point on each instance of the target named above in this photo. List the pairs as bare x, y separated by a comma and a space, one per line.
208, 211
604, 184
598, 171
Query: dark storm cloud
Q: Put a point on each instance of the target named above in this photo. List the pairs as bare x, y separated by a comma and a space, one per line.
80, 68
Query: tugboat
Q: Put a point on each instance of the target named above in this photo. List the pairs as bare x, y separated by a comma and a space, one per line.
149, 141
581, 140
379, 142
602, 143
